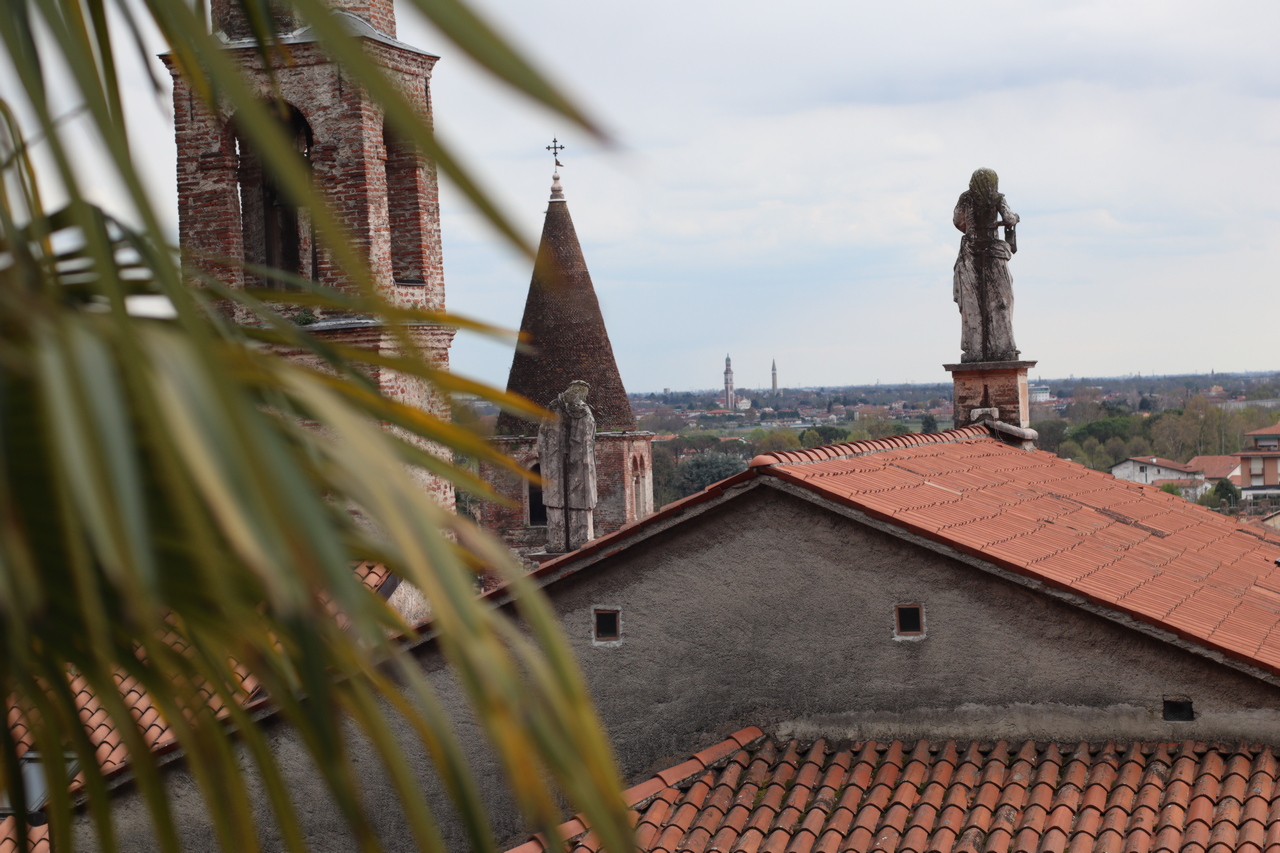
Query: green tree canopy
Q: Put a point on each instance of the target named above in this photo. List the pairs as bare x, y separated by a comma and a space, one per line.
701, 470
1051, 434
776, 440
824, 434
664, 420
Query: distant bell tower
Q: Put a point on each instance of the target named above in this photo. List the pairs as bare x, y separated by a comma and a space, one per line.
775, 377
729, 399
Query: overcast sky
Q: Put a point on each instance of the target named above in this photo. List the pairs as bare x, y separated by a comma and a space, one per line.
786, 174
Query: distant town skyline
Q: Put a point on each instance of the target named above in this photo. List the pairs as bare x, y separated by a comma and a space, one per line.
785, 184
1210, 375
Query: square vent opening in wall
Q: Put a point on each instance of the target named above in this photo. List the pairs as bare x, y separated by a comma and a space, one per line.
908, 620
608, 626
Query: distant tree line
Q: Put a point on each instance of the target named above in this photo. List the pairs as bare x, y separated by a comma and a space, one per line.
1198, 429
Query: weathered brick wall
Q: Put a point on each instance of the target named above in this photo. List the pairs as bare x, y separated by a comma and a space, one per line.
208, 188
228, 17
624, 467
510, 522
433, 343
387, 201
386, 196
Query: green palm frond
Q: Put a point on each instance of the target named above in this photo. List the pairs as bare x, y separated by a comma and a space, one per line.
181, 510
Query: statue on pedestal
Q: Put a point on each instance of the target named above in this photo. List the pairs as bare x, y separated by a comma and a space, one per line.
983, 287
567, 456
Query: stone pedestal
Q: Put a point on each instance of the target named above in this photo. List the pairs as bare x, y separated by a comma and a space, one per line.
1001, 385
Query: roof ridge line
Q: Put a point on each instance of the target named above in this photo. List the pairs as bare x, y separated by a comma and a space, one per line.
851, 449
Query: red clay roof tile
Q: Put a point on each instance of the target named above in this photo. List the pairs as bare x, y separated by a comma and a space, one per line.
1000, 798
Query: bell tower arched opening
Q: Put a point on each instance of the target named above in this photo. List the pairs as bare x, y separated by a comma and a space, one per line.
277, 232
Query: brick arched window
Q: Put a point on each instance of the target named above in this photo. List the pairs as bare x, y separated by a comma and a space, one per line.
405, 216
277, 232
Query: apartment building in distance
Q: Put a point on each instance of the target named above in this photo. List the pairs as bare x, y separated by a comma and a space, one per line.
1260, 463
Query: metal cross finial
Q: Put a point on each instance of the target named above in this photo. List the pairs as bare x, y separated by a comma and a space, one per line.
555, 148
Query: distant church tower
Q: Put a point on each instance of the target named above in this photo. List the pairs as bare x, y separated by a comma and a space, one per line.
384, 192
567, 341
775, 377
729, 399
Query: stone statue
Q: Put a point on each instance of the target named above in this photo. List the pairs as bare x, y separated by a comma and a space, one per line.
983, 287
567, 455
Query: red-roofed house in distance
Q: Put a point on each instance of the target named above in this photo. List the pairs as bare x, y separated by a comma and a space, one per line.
1217, 468
1260, 464
1193, 478
1148, 469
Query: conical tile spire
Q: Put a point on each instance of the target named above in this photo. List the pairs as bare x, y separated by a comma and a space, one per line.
565, 331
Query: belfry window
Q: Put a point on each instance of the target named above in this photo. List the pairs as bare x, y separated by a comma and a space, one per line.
277, 231
637, 488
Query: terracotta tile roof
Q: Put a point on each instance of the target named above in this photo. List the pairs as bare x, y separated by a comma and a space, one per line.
38, 838
955, 797
1214, 467
566, 335
1125, 545
1271, 430
373, 575
1178, 481
1163, 463
106, 737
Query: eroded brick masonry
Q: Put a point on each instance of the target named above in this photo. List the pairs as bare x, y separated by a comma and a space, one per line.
384, 192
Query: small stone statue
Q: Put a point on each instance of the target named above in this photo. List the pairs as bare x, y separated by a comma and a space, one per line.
567, 455
983, 287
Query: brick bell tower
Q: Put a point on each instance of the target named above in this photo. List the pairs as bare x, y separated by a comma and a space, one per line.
384, 192
567, 340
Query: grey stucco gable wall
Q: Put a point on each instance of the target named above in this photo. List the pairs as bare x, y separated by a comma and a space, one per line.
768, 607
